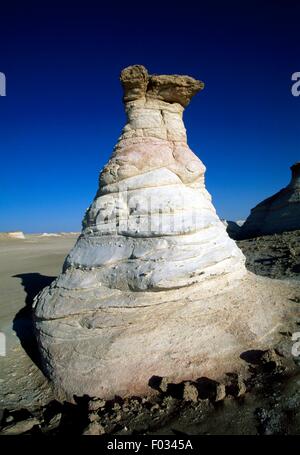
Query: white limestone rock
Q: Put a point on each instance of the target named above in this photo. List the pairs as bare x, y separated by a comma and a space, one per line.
12, 235
154, 285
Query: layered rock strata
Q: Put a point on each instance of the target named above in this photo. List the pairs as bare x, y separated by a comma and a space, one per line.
278, 213
154, 285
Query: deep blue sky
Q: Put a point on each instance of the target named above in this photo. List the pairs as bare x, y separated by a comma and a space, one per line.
63, 113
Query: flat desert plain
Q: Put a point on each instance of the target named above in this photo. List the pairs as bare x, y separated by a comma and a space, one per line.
26, 267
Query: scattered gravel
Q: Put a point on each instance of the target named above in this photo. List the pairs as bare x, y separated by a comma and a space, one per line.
275, 256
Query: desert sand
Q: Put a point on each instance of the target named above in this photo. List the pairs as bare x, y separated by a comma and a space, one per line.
26, 266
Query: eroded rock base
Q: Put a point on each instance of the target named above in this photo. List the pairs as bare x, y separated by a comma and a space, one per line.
200, 333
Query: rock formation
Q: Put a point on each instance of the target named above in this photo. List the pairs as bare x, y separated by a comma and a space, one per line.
12, 235
278, 213
154, 285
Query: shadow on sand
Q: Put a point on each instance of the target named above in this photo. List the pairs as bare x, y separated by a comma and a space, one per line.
33, 283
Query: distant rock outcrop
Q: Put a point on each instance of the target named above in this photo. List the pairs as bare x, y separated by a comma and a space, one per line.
154, 285
12, 235
278, 213
49, 234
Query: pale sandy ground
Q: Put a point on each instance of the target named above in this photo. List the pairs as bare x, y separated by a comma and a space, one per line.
26, 266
